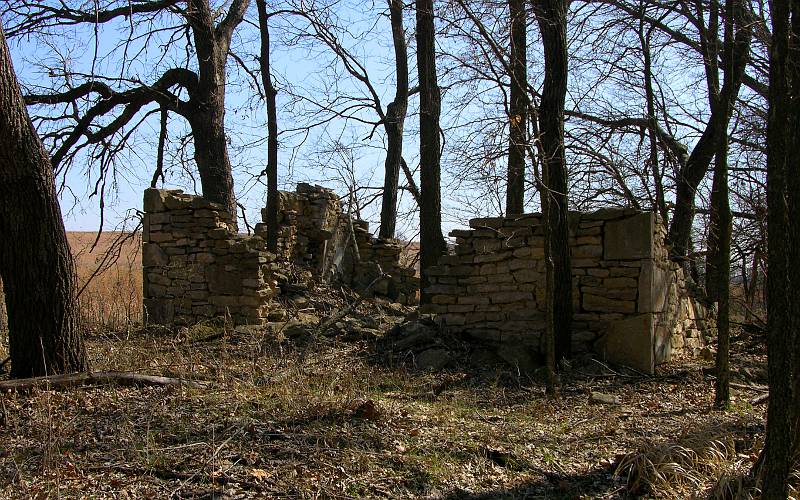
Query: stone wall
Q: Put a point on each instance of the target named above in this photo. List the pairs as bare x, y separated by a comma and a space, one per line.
196, 267
315, 232
631, 304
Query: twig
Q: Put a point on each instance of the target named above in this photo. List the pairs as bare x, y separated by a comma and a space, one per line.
96, 378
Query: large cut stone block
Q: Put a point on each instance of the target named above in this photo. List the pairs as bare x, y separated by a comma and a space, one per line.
153, 255
655, 284
222, 281
159, 311
630, 238
154, 200
629, 342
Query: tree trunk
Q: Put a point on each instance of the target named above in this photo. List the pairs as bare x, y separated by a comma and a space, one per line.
552, 18
696, 166
207, 102
272, 130
517, 113
35, 262
432, 245
393, 124
652, 123
718, 268
782, 316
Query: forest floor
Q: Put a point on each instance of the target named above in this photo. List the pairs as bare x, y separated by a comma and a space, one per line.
333, 417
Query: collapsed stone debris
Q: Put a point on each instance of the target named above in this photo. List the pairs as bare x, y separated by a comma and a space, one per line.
196, 267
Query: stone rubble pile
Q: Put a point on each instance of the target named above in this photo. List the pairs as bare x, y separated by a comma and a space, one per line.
316, 232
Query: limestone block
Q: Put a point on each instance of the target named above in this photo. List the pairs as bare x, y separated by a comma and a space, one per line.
485, 245
629, 342
443, 299
662, 345
490, 222
508, 297
492, 257
222, 281
153, 255
601, 304
527, 275
583, 251
627, 294
474, 299
159, 311
655, 286
620, 282
630, 238
154, 200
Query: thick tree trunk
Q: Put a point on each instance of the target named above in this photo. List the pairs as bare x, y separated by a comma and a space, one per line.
393, 124
432, 245
782, 310
211, 154
552, 18
272, 129
517, 113
35, 262
207, 102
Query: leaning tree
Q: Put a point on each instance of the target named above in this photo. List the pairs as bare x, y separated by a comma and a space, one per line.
36, 266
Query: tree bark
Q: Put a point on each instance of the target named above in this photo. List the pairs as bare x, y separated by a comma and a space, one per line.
272, 129
782, 151
718, 267
36, 266
207, 102
432, 244
552, 18
518, 106
393, 124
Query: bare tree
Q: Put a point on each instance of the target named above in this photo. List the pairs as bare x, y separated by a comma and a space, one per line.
783, 320
393, 123
36, 266
272, 128
551, 16
432, 244
204, 109
518, 106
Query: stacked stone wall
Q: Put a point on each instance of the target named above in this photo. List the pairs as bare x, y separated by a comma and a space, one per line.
631, 304
197, 267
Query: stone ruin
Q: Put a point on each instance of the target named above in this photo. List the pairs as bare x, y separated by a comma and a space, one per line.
315, 232
631, 304
196, 267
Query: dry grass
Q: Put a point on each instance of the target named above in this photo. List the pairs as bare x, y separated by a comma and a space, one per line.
109, 279
332, 420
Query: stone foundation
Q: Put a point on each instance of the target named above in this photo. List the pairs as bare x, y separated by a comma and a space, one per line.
315, 232
631, 304
197, 268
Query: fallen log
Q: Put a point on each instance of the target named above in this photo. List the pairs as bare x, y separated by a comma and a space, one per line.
97, 378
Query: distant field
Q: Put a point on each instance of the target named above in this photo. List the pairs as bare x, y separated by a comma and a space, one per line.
113, 297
